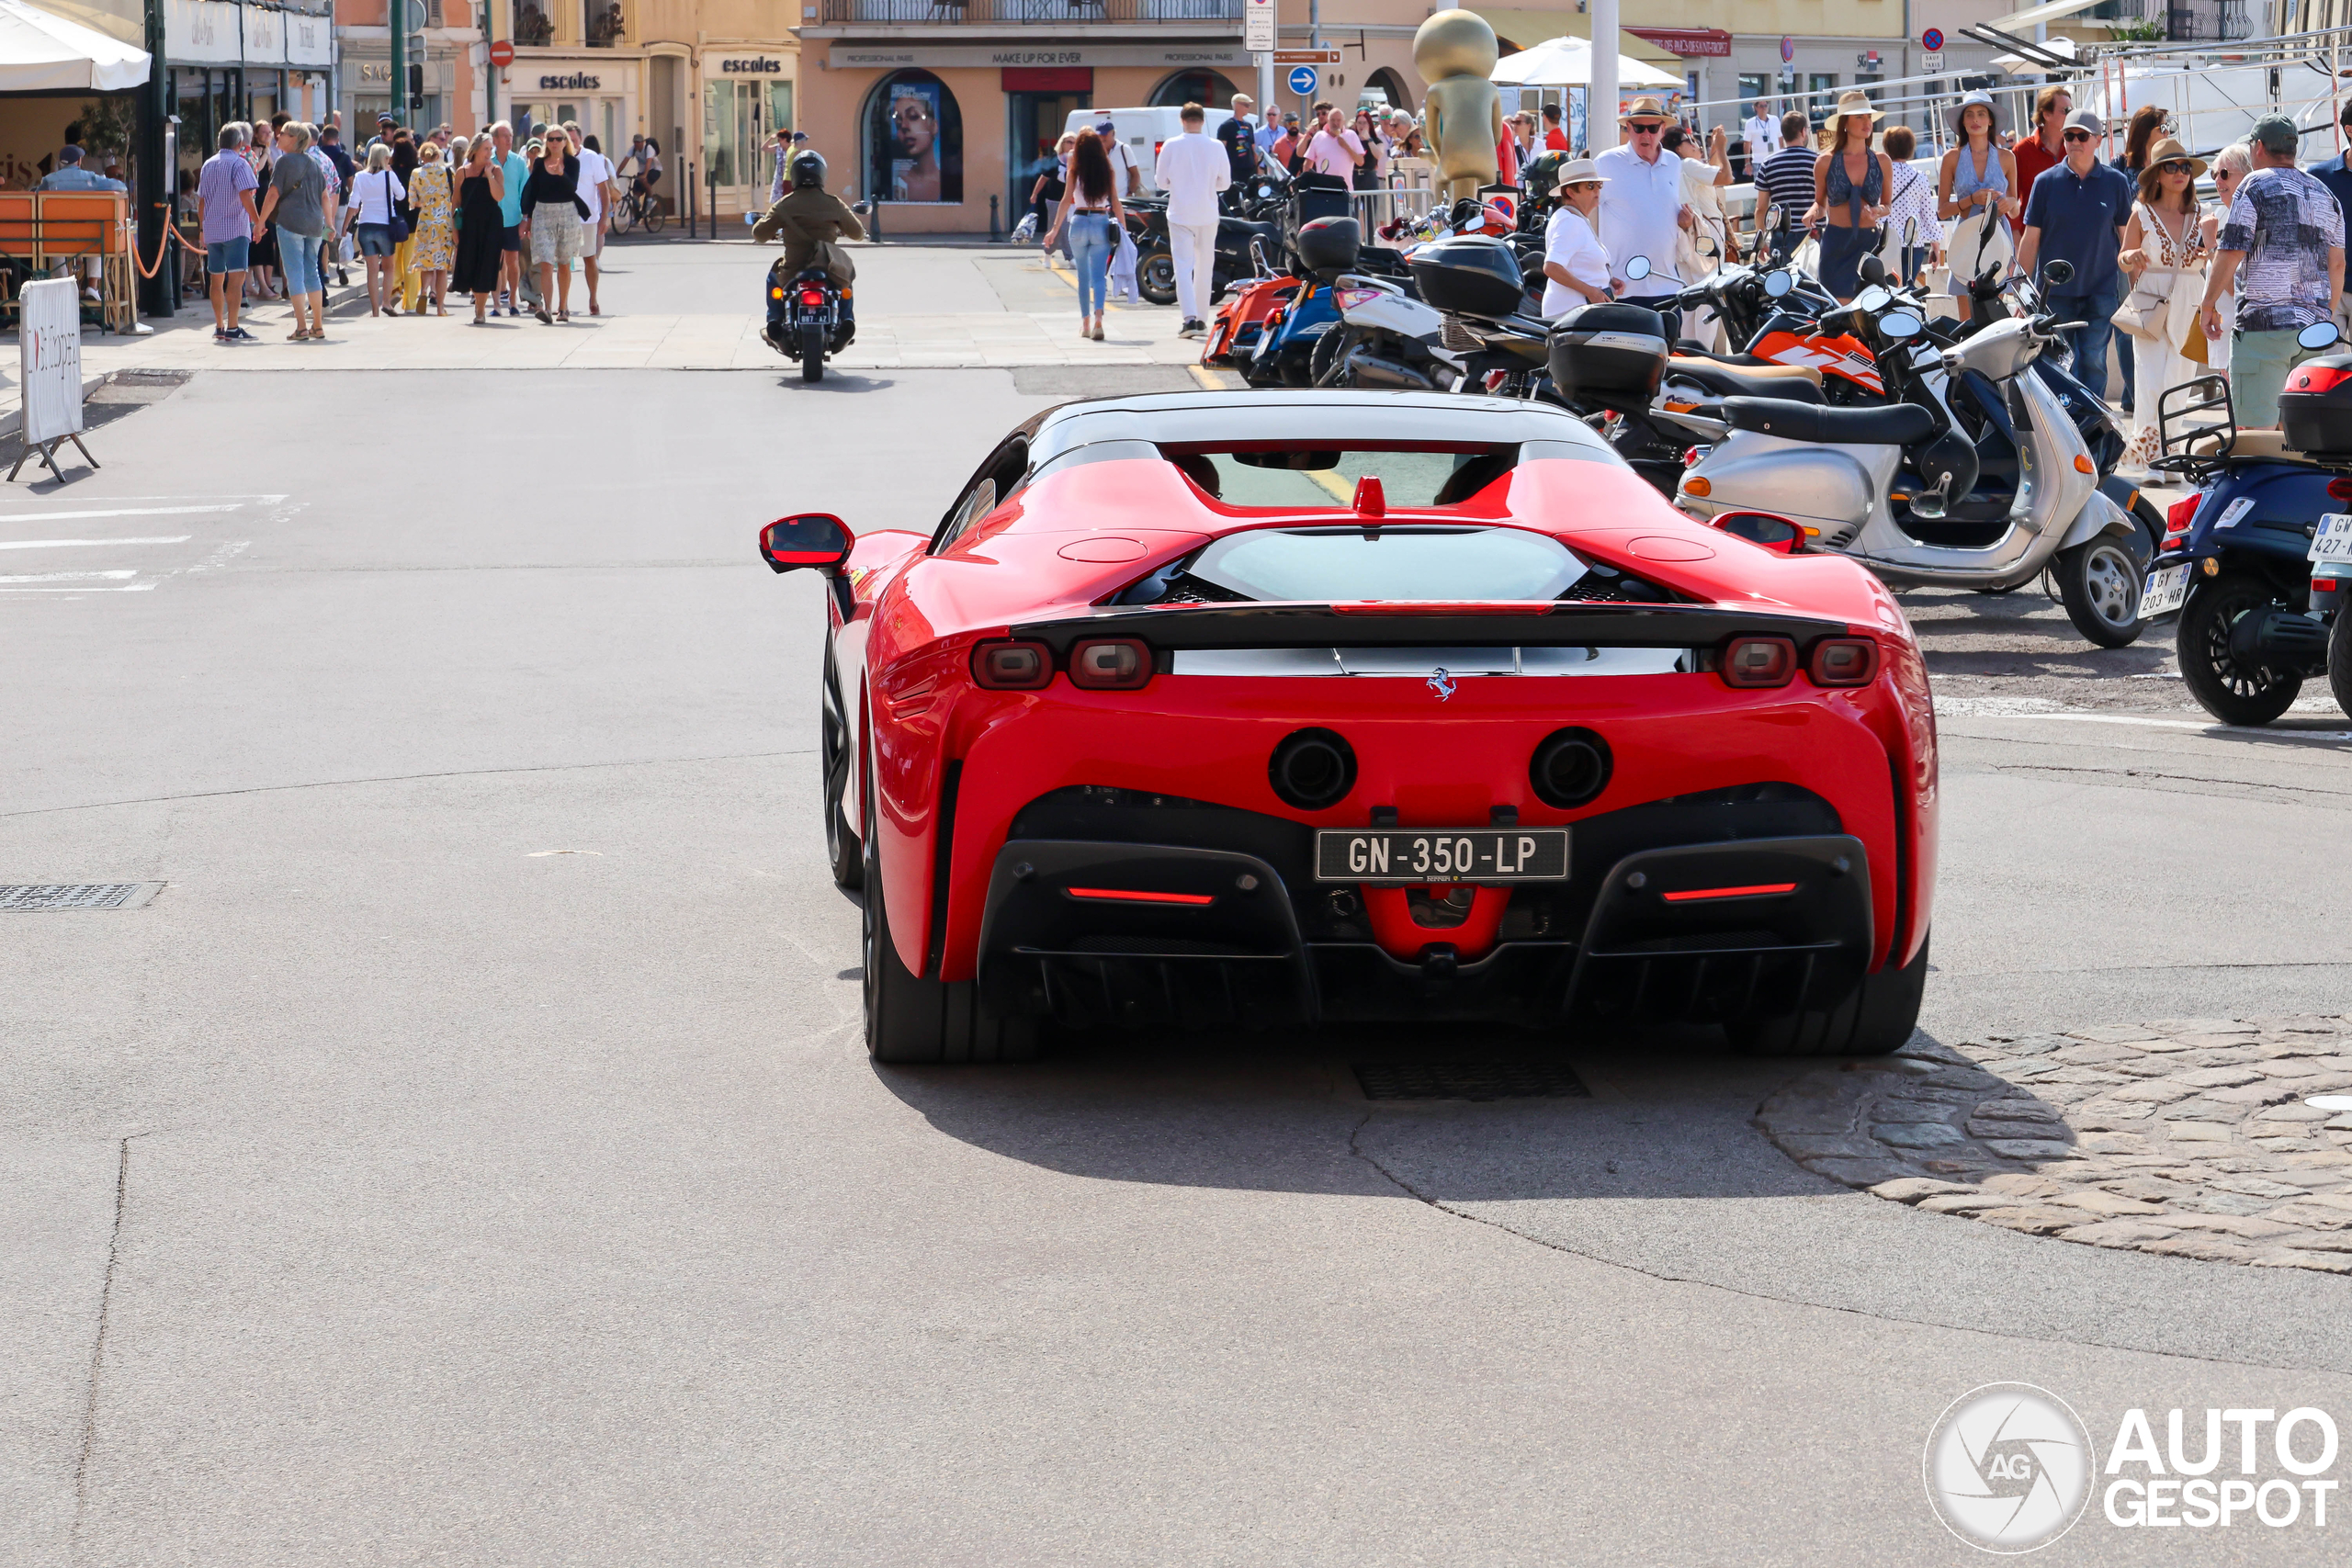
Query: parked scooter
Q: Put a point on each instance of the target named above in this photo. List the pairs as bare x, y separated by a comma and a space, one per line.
2238, 557
1897, 486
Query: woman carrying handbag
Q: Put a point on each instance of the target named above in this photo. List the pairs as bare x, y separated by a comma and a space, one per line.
2165, 257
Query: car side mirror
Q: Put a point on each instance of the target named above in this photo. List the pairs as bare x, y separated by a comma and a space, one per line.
2054, 273
1769, 529
815, 539
1638, 268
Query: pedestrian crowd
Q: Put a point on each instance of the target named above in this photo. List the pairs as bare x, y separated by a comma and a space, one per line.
280, 204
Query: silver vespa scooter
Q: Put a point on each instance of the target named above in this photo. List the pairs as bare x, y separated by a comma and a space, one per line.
1840, 474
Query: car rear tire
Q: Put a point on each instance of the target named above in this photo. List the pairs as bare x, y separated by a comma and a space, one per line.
2099, 585
2221, 685
912, 1020
837, 752
1879, 1017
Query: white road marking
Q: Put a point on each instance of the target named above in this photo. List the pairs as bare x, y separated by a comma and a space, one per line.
122, 512
2207, 728
62, 544
70, 576
87, 588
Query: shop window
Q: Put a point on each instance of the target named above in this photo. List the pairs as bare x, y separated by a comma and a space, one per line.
534, 25
914, 140
601, 23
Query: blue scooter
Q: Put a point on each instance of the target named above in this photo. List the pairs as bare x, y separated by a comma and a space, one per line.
2235, 563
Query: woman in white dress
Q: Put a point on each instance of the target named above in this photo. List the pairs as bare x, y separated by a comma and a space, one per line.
2163, 255
1705, 173
1576, 263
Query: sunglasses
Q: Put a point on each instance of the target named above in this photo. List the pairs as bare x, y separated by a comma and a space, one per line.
2176, 166
2075, 136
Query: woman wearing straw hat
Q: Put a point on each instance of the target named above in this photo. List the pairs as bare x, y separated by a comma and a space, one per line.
1849, 185
1977, 186
2165, 256
1576, 263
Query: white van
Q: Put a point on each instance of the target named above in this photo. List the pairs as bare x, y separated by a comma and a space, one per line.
1140, 131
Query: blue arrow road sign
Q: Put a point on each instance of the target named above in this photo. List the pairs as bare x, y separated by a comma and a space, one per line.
1303, 80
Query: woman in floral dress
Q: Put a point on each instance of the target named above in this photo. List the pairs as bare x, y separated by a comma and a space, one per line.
434, 197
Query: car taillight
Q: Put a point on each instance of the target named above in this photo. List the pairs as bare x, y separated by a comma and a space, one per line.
1760, 661
1012, 666
1843, 661
2181, 513
1112, 664
812, 298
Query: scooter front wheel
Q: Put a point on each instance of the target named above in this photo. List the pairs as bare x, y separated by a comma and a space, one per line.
2232, 692
2099, 585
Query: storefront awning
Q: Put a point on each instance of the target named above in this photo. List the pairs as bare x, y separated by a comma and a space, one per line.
1687, 41
43, 54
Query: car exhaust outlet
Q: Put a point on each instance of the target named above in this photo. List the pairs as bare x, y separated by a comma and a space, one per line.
1312, 769
1571, 768
1366, 369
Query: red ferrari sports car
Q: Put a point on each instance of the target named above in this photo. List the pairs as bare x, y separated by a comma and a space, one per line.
1228, 710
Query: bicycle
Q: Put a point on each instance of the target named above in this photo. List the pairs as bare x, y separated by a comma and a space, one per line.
638, 209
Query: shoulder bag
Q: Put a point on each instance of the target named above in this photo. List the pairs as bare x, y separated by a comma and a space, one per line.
2143, 311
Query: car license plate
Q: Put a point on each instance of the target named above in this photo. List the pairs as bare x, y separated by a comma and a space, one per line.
1442, 855
2333, 539
2167, 590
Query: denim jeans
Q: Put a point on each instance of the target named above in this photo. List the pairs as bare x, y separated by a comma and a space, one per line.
298, 257
2089, 341
1092, 243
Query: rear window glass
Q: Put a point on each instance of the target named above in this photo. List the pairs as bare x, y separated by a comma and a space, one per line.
1292, 475
1324, 565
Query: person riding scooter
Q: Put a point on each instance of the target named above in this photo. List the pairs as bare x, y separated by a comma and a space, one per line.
809, 220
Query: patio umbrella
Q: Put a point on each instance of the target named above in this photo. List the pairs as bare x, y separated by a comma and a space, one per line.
44, 53
1568, 63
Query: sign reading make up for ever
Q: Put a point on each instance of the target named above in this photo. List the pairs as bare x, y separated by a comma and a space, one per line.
49, 348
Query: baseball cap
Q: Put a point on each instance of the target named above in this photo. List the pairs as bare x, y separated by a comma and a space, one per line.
2086, 119
2277, 133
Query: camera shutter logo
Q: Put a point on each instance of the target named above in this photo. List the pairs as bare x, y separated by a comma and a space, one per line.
2009, 1467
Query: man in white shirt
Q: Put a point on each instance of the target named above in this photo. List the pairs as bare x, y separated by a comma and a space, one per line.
1123, 173
597, 189
1642, 210
1762, 133
1335, 149
1192, 169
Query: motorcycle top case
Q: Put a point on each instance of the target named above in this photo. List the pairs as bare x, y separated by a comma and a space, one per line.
1314, 195
1328, 246
1470, 275
1609, 353
2315, 406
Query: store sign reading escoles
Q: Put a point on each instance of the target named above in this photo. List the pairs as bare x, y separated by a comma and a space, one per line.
578, 82
764, 65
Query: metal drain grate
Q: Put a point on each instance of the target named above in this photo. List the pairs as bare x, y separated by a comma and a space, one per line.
33, 897
1470, 1080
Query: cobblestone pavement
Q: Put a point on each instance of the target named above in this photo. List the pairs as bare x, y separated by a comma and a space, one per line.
2186, 1136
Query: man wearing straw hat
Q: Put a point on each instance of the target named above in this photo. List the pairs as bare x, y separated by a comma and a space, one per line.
1642, 210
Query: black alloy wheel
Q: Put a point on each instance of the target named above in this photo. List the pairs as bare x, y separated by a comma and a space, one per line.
836, 753
1156, 277
812, 351
2099, 585
2231, 691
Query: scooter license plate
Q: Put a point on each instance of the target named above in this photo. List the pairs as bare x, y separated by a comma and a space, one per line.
2167, 590
1442, 855
2332, 541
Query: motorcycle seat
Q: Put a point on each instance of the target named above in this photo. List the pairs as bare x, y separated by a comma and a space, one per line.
1686, 349
1790, 382
1889, 424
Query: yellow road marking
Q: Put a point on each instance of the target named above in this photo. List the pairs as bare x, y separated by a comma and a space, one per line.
1209, 379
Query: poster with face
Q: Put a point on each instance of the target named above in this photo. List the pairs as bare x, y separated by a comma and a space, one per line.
920, 139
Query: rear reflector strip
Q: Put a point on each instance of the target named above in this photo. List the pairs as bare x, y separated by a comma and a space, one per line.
1759, 891
1128, 896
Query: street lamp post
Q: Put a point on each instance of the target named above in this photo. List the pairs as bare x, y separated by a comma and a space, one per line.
1600, 97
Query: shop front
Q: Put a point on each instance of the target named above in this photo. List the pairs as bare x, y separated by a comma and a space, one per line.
601, 92
949, 137
747, 94
231, 62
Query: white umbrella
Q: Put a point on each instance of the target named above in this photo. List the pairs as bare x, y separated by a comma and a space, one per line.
1568, 63
43, 54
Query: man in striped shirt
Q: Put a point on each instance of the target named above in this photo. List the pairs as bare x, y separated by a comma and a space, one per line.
1784, 181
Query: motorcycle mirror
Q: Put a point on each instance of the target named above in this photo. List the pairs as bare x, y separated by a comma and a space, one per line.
1769, 529
2054, 273
814, 539
750, 219
1638, 268
1872, 269
860, 208
1900, 324
1779, 284
1873, 299
1706, 246
2319, 334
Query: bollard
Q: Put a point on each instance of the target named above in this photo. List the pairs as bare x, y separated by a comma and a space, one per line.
873, 220
995, 224
693, 219
710, 176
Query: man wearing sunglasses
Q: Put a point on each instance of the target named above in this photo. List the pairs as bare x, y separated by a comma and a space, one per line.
1642, 210
2076, 214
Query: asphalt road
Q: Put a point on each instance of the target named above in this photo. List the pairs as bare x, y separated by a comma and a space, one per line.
470, 1155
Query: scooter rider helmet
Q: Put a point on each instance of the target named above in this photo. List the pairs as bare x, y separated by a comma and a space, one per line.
808, 170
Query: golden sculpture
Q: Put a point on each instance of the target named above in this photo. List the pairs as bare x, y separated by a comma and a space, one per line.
1454, 51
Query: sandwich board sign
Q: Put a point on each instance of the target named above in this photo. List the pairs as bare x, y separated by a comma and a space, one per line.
49, 349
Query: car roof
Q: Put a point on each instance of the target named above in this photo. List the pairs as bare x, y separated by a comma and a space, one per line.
1309, 417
